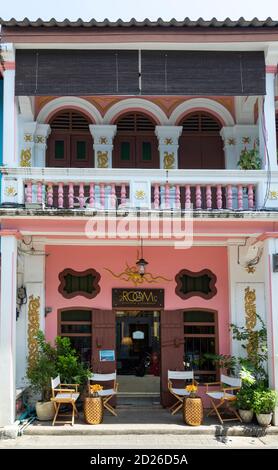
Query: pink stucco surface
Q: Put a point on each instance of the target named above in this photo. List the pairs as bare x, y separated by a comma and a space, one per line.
163, 261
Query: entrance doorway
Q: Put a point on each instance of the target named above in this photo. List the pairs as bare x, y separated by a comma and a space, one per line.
138, 352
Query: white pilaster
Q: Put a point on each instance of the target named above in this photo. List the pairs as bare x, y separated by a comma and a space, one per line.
27, 145
103, 135
168, 138
271, 279
8, 329
236, 139
270, 147
9, 110
41, 136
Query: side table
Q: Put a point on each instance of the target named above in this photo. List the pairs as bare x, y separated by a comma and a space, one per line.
193, 411
93, 410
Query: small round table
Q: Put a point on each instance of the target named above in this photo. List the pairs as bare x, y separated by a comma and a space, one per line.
93, 410
193, 411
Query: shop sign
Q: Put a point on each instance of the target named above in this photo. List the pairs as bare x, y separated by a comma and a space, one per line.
145, 298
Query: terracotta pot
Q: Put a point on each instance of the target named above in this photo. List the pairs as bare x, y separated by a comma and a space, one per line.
246, 415
264, 419
45, 410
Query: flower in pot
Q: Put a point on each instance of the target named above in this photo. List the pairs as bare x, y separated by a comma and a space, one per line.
95, 389
192, 389
249, 159
264, 402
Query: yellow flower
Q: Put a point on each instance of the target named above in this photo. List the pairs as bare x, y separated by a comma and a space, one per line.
191, 388
95, 388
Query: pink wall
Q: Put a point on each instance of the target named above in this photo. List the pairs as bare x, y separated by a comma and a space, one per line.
164, 261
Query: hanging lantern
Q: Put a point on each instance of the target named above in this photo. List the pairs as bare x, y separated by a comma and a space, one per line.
141, 263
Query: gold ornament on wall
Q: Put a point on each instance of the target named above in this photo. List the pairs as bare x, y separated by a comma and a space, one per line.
10, 191
28, 138
33, 328
169, 161
250, 319
25, 158
168, 141
130, 274
102, 159
40, 139
140, 194
103, 140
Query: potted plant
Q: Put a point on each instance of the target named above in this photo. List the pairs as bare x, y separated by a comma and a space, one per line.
41, 368
264, 402
249, 159
244, 404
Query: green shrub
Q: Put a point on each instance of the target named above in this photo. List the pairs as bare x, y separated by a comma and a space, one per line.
249, 159
264, 401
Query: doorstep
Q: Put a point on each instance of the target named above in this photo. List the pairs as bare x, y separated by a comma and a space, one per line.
158, 421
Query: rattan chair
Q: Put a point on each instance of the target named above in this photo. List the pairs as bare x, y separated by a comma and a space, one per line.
64, 396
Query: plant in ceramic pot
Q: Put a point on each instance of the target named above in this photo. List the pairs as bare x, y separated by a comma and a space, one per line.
244, 401
264, 402
40, 369
192, 389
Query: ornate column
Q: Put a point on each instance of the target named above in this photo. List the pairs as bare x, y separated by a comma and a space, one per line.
27, 146
8, 328
103, 144
9, 110
168, 137
41, 136
236, 138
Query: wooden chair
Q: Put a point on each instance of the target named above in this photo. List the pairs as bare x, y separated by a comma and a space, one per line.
223, 397
64, 396
179, 393
106, 394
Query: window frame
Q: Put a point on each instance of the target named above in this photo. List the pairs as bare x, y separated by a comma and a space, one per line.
204, 335
60, 323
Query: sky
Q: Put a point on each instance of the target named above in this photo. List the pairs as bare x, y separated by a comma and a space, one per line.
139, 9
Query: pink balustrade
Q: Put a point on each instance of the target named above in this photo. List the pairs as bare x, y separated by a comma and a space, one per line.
204, 197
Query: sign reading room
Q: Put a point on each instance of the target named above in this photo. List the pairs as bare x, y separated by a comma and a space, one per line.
138, 298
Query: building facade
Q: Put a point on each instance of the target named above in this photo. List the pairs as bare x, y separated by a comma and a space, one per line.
122, 142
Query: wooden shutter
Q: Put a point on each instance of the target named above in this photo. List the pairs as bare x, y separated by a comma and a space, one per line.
172, 348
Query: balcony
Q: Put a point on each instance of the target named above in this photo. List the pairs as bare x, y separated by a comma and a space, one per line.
135, 189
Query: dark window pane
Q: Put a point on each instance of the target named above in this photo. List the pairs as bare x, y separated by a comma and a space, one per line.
59, 149
198, 316
79, 283
76, 315
82, 345
125, 151
146, 151
194, 350
81, 150
76, 328
199, 330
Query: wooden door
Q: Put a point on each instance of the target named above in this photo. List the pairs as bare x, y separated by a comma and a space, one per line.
124, 152
58, 150
190, 152
147, 155
81, 151
172, 349
103, 337
212, 154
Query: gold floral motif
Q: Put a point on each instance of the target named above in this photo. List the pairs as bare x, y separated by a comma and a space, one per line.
169, 160
25, 158
168, 141
250, 269
250, 318
246, 140
103, 140
40, 139
102, 159
140, 194
273, 195
28, 138
33, 328
10, 191
130, 274
231, 141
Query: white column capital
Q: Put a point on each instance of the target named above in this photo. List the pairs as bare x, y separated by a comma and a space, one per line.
271, 56
41, 135
103, 135
8, 54
168, 138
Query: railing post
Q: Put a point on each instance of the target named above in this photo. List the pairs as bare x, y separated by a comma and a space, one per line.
219, 196
187, 197
208, 197
71, 196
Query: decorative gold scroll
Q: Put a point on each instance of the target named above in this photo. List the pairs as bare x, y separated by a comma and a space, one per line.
33, 328
130, 274
250, 319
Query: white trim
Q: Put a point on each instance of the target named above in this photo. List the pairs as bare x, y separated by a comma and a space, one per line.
70, 102
139, 103
203, 103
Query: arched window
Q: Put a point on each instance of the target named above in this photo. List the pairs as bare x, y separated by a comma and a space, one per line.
135, 145
200, 338
70, 143
200, 145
